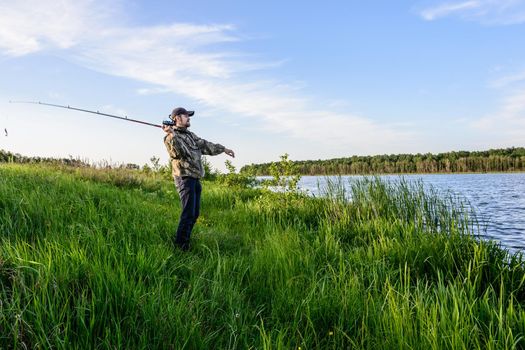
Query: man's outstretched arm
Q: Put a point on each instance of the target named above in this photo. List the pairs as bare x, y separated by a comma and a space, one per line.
212, 149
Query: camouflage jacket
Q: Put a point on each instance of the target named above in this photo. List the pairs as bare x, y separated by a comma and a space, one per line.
186, 150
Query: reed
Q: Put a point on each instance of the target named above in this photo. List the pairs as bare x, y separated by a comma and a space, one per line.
86, 262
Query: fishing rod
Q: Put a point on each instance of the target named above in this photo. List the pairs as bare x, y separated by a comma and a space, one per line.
165, 122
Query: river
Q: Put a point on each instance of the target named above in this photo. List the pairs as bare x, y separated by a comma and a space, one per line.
498, 199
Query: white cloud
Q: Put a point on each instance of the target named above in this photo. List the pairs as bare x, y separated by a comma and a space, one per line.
33, 25
492, 12
447, 9
515, 105
508, 80
182, 58
508, 121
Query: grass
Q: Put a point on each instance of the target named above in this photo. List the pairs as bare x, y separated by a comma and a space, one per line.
86, 262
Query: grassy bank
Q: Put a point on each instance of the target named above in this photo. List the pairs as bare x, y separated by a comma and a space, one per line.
86, 262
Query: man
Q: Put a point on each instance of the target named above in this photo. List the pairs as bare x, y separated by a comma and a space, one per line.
185, 150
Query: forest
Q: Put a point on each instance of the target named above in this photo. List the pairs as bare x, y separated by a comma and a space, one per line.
493, 160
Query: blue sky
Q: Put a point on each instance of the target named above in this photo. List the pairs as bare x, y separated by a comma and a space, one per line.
317, 80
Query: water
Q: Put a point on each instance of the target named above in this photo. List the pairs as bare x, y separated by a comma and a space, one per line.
499, 200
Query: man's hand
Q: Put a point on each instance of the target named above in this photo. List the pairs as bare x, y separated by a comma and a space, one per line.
167, 128
229, 152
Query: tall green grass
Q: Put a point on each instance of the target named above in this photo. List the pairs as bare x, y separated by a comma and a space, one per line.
86, 262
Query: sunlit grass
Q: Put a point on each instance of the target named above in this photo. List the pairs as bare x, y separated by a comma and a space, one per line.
86, 262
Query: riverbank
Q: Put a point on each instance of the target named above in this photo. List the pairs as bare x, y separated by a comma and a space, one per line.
86, 262
498, 199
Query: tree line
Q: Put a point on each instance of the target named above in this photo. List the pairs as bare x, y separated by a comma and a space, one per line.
10, 157
493, 160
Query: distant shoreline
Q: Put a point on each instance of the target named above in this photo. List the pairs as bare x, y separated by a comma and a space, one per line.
436, 173
508, 160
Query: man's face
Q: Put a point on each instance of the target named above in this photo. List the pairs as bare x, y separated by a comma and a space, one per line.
182, 120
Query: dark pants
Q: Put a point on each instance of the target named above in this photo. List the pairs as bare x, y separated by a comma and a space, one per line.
190, 198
